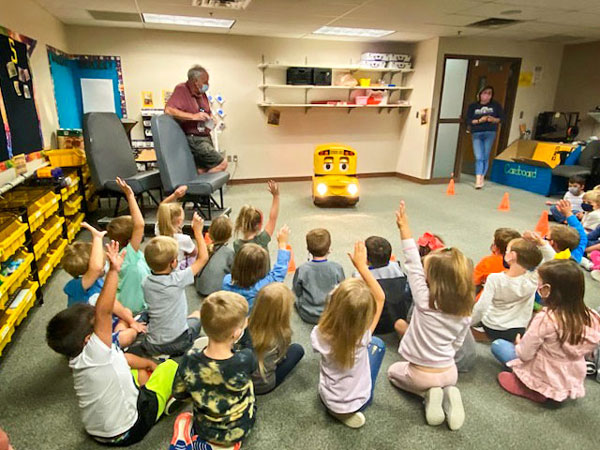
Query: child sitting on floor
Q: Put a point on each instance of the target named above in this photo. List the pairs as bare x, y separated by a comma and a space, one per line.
84, 261
315, 279
574, 195
250, 270
494, 263
128, 231
114, 410
549, 361
394, 283
590, 218
443, 295
271, 333
350, 356
218, 378
170, 217
220, 257
250, 220
506, 303
170, 330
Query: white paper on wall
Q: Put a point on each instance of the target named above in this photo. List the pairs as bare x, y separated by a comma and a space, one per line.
98, 95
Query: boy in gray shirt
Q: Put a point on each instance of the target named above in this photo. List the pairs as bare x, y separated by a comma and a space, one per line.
315, 279
170, 330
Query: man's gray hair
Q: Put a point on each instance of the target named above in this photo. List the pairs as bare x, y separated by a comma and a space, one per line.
196, 72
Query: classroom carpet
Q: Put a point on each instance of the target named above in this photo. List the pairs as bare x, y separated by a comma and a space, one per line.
38, 407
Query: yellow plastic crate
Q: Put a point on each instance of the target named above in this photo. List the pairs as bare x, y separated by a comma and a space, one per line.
90, 190
73, 205
49, 262
93, 204
12, 282
40, 204
12, 237
20, 308
46, 235
6, 330
66, 192
85, 172
73, 226
70, 157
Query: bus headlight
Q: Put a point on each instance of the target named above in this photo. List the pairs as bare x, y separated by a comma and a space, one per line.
322, 188
352, 189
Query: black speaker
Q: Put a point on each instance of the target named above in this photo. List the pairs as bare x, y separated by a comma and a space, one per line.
299, 75
321, 77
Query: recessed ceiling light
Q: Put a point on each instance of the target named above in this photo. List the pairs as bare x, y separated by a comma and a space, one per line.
188, 20
508, 12
360, 32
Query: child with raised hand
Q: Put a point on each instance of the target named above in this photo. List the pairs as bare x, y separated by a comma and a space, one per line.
350, 355
549, 361
250, 220
170, 330
220, 257
84, 261
443, 295
271, 333
506, 303
170, 217
250, 270
128, 231
574, 195
315, 279
218, 378
114, 410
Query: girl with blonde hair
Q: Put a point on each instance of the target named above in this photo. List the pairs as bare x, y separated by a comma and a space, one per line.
350, 355
170, 217
271, 333
443, 295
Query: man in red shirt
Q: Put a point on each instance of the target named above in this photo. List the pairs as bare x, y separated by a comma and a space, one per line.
191, 108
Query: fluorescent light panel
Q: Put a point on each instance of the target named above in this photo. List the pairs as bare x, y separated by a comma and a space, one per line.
360, 32
188, 20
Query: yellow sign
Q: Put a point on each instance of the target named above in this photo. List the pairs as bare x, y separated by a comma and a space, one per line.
147, 100
20, 164
525, 79
166, 94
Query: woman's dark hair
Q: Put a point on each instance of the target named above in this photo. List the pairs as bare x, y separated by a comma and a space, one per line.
66, 331
485, 88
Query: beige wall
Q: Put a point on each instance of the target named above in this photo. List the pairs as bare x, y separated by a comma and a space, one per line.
414, 142
157, 60
28, 18
579, 85
530, 100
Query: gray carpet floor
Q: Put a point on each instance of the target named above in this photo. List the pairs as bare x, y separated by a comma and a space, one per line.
38, 407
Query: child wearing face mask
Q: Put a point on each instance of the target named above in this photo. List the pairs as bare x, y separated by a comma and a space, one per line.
574, 195
590, 218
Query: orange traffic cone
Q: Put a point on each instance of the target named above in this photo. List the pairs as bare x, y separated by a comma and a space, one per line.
542, 226
505, 203
450, 189
292, 263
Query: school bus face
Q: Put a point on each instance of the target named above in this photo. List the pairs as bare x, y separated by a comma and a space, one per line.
334, 176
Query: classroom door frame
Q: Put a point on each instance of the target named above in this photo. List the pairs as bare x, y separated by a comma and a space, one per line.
511, 95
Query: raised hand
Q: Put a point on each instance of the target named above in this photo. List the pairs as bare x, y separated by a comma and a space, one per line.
180, 191
273, 188
125, 187
283, 236
95, 232
359, 256
114, 256
564, 207
197, 223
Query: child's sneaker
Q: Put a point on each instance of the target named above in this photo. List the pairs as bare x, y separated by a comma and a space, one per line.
201, 343
434, 414
173, 405
453, 408
352, 420
182, 437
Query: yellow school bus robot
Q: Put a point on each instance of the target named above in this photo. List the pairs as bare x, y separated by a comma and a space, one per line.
334, 179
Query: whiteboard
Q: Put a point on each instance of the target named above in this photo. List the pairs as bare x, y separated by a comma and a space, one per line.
98, 95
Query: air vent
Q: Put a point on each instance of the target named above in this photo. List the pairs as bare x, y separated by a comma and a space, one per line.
112, 16
494, 22
222, 4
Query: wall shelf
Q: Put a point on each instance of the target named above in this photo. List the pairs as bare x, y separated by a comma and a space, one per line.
350, 107
352, 68
313, 86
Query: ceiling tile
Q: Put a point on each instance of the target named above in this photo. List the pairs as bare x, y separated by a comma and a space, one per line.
571, 5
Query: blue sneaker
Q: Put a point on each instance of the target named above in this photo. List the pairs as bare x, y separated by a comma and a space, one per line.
182, 438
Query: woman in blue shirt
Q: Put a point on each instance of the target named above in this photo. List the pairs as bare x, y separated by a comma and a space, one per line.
483, 117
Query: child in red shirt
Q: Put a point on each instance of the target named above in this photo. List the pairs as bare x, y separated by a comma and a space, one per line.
494, 263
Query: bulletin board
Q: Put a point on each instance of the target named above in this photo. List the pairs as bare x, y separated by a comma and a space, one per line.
68, 71
19, 118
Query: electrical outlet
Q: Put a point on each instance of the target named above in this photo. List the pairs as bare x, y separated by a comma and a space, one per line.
228, 158
235, 158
